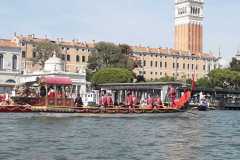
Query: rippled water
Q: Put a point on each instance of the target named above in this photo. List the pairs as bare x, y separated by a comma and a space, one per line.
205, 136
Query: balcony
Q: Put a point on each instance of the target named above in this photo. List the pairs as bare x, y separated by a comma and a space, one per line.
14, 71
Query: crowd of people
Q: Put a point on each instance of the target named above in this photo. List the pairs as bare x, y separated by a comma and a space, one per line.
131, 101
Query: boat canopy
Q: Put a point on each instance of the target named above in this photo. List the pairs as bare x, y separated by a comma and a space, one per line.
56, 80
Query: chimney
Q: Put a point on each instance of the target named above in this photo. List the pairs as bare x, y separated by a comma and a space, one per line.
15, 34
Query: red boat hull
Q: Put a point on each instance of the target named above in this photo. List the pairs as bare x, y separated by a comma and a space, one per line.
15, 108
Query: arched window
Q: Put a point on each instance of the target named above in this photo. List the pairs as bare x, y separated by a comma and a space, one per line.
68, 57
77, 58
1, 62
10, 81
14, 62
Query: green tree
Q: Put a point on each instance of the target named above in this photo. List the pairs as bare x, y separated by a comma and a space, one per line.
112, 75
203, 82
235, 64
45, 49
109, 55
165, 79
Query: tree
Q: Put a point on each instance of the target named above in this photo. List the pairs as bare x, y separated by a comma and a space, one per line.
45, 49
112, 75
109, 55
235, 64
165, 79
203, 82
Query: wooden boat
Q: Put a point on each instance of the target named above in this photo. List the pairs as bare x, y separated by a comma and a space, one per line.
15, 108
66, 105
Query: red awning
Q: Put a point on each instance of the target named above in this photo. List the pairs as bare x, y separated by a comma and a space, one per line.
56, 80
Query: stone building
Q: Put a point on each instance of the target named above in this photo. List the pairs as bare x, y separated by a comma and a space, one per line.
54, 67
76, 53
161, 62
10, 65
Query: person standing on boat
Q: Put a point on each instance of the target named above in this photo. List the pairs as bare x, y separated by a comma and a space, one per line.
129, 100
78, 101
109, 100
135, 100
150, 102
172, 95
158, 103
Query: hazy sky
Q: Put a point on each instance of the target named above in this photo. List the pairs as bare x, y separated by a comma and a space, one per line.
145, 22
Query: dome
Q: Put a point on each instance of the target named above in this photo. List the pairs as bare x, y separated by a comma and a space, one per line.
54, 64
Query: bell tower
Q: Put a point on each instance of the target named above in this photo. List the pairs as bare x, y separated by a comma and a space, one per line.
189, 25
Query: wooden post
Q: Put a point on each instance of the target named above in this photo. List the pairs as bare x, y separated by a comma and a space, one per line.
64, 97
46, 97
55, 95
71, 90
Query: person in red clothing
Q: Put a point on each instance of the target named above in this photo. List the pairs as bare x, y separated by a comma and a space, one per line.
150, 102
158, 103
129, 100
135, 100
51, 93
109, 100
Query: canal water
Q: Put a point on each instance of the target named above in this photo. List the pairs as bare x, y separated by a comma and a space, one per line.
187, 136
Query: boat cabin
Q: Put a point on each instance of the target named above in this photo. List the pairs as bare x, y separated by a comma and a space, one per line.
46, 91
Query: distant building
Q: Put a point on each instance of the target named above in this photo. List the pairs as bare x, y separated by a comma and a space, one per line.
156, 63
76, 53
10, 65
187, 57
237, 56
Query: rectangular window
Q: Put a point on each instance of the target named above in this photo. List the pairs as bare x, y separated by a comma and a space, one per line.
83, 59
173, 65
165, 64
188, 66
204, 67
23, 54
151, 63
192, 66
34, 54
144, 63
160, 64
156, 64
177, 65
196, 67
183, 65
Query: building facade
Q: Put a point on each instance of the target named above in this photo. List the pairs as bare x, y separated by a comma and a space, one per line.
189, 25
54, 67
10, 65
161, 62
76, 53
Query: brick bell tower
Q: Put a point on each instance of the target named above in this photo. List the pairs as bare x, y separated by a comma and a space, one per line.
189, 25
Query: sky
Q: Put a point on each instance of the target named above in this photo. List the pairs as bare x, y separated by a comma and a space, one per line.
148, 23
